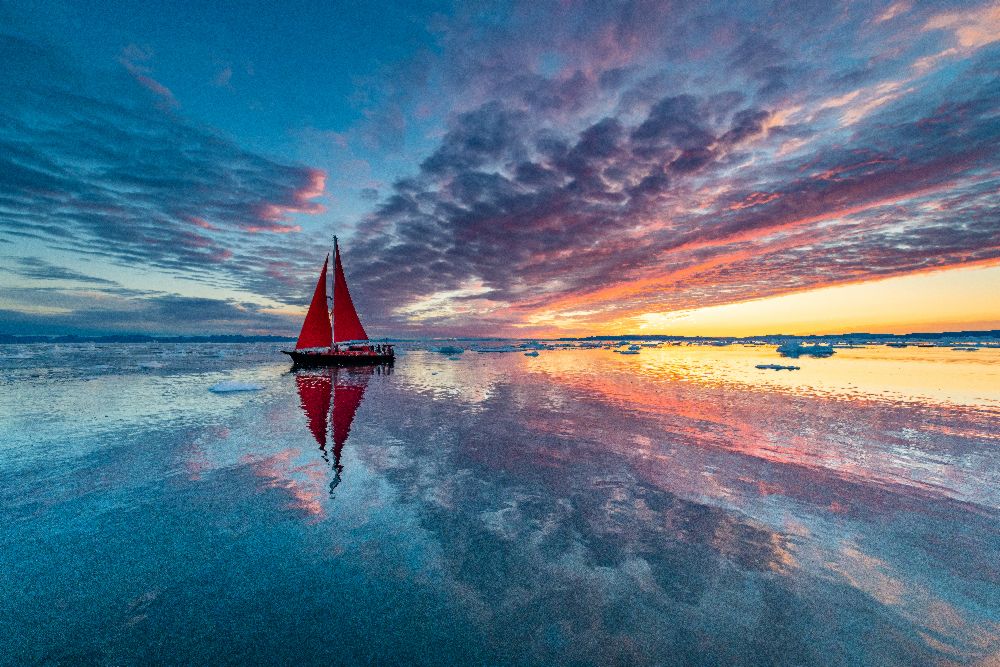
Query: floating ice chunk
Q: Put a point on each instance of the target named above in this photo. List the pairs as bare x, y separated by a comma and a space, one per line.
965, 349
451, 350
533, 353
796, 350
151, 364
232, 385
776, 367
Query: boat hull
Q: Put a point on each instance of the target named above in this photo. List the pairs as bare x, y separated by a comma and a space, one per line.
327, 359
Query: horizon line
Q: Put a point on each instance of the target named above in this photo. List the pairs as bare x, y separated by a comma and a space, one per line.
283, 338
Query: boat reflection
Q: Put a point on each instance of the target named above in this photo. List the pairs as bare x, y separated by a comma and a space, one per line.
330, 398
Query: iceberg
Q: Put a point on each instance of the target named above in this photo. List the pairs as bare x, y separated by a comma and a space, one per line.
533, 353
796, 350
502, 348
451, 350
228, 386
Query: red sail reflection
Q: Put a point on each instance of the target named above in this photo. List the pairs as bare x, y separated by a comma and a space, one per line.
330, 398
315, 393
347, 397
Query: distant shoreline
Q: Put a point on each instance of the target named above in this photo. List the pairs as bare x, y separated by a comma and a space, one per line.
856, 337
11, 339
992, 335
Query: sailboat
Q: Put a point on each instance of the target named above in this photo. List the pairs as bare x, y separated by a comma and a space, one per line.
344, 342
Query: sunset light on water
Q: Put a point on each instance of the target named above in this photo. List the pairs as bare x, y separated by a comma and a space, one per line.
576, 506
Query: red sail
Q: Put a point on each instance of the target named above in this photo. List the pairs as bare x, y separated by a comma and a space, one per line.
316, 329
346, 325
315, 393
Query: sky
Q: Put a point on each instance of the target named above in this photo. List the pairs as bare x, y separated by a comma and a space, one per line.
517, 169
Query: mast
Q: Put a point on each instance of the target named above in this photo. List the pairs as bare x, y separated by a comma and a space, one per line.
331, 297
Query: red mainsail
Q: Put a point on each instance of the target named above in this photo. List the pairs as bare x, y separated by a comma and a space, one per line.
346, 325
316, 329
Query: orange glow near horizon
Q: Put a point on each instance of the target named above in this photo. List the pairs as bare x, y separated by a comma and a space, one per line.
956, 299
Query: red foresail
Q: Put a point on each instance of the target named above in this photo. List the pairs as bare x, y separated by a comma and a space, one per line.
316, 329
346, 325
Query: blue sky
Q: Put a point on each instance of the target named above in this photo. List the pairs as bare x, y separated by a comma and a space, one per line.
517, 168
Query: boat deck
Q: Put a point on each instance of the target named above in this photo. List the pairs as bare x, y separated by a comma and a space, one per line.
339, 358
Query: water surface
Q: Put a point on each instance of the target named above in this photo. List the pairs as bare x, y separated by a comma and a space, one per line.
580, 507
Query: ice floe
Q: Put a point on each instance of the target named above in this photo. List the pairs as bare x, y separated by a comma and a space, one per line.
502, 348
796, 350
228, 386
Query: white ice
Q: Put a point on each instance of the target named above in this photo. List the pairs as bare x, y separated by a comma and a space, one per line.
232, 385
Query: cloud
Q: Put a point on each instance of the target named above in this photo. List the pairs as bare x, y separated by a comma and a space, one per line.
972, 28
695, 196
593, 161
224, 77
135, 60
103, 171
105, 311
38, 269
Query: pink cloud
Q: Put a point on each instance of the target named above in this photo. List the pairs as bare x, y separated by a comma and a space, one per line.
130, 58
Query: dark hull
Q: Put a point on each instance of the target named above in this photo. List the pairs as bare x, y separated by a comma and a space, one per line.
314, 360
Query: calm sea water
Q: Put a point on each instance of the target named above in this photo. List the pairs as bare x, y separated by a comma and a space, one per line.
580, 507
